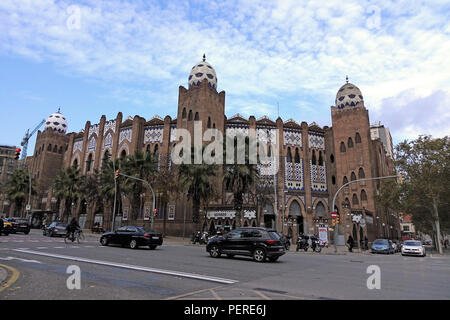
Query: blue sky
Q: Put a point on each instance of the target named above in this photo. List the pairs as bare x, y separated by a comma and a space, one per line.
101, 57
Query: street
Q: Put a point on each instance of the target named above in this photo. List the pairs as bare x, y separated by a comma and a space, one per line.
180, 270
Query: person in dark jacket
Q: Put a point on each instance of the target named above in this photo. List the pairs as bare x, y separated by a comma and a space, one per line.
72, 227
1, 225
350, 243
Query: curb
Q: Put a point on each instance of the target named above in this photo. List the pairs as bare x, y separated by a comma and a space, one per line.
3, 275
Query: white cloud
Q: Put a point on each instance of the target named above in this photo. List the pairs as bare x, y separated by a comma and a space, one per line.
258, 48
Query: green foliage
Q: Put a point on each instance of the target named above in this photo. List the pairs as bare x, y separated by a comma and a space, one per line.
17, 188
68, 185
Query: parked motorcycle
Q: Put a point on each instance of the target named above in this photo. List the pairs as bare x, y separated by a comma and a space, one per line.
302, 243
200, 237
317, 244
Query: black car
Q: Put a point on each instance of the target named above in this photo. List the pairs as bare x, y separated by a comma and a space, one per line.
259, 243
133, 237
20, 225
55, 229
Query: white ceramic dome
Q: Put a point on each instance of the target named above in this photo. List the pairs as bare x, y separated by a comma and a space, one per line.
203, 70
56, 122
348, 95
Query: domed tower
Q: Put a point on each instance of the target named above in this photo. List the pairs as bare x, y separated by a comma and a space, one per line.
201, 101
354, 158
49, 151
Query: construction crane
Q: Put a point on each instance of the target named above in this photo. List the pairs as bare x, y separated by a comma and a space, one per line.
27, 137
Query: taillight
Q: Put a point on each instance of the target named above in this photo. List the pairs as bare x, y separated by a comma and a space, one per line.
271, 242
146, 236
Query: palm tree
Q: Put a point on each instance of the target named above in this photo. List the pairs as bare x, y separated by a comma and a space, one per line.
68, 185
107, 184
18, 187
240, 179
142, 165
196, 181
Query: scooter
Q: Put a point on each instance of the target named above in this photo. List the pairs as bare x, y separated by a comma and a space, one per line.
302, 243
204, 238
316, 245
196, 236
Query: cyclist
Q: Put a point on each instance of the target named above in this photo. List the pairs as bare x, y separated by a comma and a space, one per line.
72, 227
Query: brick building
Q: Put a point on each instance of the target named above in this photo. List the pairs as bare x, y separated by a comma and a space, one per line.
312, 162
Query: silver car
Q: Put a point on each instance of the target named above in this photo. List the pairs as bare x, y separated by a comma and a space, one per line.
414, 248
55, 229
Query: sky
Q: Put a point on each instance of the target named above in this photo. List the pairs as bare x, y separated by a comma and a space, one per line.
272, 58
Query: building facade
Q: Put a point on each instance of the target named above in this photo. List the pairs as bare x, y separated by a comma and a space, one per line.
7, 166
310, 165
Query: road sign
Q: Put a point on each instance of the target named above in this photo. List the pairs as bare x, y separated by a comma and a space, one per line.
334, 214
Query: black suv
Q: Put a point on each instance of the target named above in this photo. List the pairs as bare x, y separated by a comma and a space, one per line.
259, 243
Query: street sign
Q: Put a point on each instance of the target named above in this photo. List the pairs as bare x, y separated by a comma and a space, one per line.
334, 214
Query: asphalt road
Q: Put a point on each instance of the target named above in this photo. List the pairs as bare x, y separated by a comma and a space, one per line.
184, 271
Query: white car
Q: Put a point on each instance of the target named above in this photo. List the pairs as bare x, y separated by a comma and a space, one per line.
413, 247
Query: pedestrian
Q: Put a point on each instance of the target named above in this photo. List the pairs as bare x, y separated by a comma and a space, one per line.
366, 243
350, 243
1, 225
445, 243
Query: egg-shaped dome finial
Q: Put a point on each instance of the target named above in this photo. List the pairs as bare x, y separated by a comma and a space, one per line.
56, 122
202, 70
348, 95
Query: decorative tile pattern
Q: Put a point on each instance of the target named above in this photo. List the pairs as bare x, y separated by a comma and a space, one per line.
173, 134
110, 125
318, 177
108, 142
236, 130
265, 135
77, 145
316, 141
153, 135
125, 134
92, 145
293, 175
93, 129
292, 137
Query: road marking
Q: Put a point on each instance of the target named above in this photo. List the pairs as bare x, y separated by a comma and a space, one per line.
41, 247
20, 259
14, 277
132, 267
259, 293
191, 293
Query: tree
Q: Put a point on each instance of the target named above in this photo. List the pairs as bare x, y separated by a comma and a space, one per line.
107, 184
67, 185
18, 188
425, 164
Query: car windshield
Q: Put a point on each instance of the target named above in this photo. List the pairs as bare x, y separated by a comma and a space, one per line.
380, 241
412, 243
274, 235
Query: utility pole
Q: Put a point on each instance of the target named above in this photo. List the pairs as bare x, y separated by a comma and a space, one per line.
335, 234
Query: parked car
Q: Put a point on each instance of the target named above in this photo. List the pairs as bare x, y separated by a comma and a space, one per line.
133, 237
382, 246
413, 247
19, 225
7, 228
259, 243
55, 229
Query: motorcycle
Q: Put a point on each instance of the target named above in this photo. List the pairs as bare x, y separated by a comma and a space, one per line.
316, 245
200, 237
204, 238
302, 243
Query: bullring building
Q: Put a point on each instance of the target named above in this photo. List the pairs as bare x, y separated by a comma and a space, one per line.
312, 163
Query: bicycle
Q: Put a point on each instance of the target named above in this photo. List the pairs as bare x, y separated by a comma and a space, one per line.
77, 236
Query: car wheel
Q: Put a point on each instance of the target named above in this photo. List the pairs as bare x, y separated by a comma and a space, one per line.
259, 255
133, 244
104, 241
215, 252
152, 247
273, 259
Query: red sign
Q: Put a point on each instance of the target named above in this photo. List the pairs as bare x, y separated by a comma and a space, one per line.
334, 214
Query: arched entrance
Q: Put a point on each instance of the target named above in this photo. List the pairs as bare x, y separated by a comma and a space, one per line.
295, 213
355, 237
269, 216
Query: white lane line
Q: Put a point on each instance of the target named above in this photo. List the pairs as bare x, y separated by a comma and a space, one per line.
20, 259
41, 247
131, 267
58, 247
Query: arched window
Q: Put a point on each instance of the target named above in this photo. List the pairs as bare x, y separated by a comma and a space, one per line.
353, 176
297, 156
190, 115
343, 147
49, 147
75, 163
294, 209
361, 174
357, 138
345, 180
196, 118
355, 199
333, 179
288, 155
60, 150
320, 159
269, 151
313, 159
55, 149
332, 158
156, 150
209, 122
214, 125
123, 154
363, 195
148, 149
320, 210
350, 143
89, 163
183, 115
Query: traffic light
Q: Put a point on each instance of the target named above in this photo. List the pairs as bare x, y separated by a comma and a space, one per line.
17, 154
399, 178
117, 174
333, 222
337, 220
155, 213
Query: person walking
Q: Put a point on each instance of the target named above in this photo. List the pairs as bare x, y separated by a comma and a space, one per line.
366, 243
350, 243
1, 225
